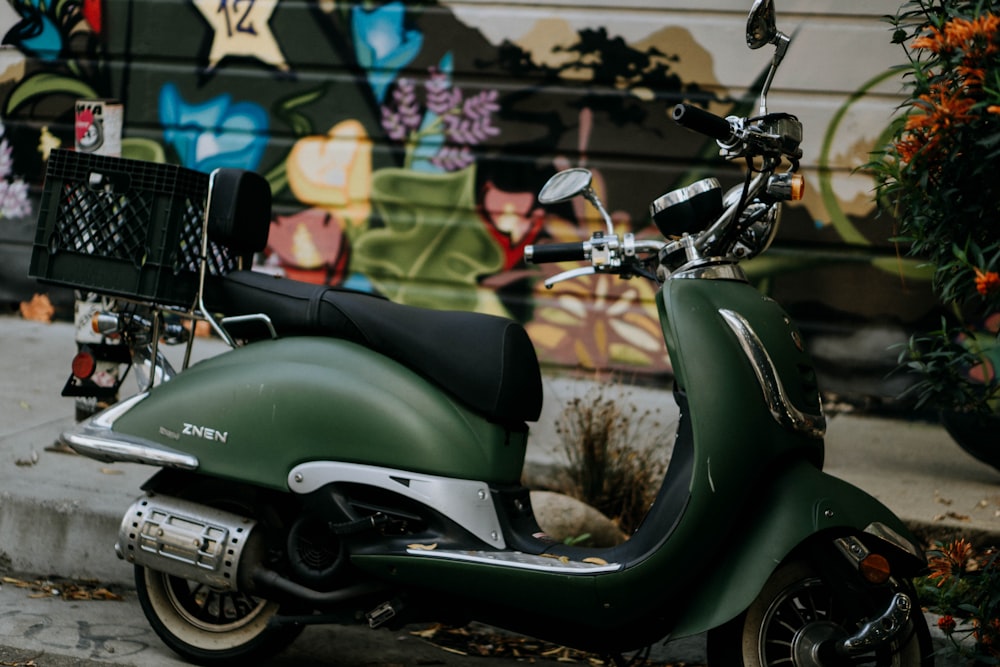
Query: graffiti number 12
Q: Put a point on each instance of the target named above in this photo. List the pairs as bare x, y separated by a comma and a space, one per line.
240, 11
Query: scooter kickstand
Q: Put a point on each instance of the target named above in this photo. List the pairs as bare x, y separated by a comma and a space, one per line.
383, 613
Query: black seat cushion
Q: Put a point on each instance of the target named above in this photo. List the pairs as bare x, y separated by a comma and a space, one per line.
486, 362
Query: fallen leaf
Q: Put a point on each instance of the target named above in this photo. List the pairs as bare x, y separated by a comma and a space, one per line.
67, 590
427, 633
27, 462
39, 309
593, 560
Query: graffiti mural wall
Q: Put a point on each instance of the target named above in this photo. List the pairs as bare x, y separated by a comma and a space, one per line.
405, 142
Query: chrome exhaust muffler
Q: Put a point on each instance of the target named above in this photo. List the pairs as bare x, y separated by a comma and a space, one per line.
185, 539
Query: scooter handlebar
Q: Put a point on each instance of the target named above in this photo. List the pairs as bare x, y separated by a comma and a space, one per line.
705, 122
555, 252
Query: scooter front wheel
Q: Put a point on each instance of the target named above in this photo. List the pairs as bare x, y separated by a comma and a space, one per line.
796, 609
208, 626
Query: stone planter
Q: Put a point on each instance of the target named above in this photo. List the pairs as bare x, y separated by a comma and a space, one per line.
978, 435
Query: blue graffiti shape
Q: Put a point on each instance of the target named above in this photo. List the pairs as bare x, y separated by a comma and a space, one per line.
216, 133
37, 34
382, 44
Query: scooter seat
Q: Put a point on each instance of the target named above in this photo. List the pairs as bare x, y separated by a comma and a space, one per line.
484, 361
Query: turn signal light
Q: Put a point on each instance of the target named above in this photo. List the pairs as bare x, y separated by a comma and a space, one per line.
875, 568
84, 365
787, 186
105, 324
798, 184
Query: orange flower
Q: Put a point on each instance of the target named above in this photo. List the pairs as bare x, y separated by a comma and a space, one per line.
988, 282
908, 146
947, 624
945, 107
972, 77
933, 42
951, 561
993, 108
961, 33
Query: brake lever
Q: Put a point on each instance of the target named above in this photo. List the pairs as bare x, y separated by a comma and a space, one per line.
569, 275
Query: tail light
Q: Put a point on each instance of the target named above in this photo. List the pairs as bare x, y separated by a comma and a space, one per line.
84, 364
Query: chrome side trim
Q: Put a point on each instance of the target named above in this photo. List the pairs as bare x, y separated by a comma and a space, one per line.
95, 439
466, 502
884, 532
781, 408
709, 270
520, 561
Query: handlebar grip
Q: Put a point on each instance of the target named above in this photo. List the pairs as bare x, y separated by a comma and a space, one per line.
705, 122
554, 252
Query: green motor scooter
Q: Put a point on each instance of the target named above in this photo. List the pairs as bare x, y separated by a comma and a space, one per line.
356, 460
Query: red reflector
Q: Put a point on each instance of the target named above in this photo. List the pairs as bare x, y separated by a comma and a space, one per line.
875, 568
84, 365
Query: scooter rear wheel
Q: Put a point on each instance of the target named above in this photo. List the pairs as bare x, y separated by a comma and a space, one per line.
208, 626
794, 608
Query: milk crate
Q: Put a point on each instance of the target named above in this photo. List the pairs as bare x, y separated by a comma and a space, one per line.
123, 227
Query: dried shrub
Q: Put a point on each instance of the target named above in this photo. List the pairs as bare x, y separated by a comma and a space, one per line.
613, 452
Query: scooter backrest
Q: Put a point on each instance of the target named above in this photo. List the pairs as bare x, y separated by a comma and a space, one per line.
239, 210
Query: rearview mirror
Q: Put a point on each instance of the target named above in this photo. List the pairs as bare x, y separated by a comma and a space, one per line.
762, 26
565, 185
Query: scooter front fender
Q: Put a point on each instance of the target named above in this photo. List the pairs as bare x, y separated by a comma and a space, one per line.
803, 505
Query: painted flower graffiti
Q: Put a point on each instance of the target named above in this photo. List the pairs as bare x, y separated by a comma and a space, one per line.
65, 64
37, 34
334, 172
14, 201
214, 133
596, 321
383, 45
513, 221
310, 246
439, 135
404, 141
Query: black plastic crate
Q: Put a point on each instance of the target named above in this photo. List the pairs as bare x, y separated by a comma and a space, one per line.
123, 227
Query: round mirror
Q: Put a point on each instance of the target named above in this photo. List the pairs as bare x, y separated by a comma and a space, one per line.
565, 185
762, 26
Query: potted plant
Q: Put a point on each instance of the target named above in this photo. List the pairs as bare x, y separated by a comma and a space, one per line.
939, 175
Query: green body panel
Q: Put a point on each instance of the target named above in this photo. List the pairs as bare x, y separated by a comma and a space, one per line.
757, 491
729, 414
705, 578
280, 403
801, 504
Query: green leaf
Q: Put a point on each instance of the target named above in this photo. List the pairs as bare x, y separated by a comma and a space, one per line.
288, 110
434, 246
138, 148
44, 84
